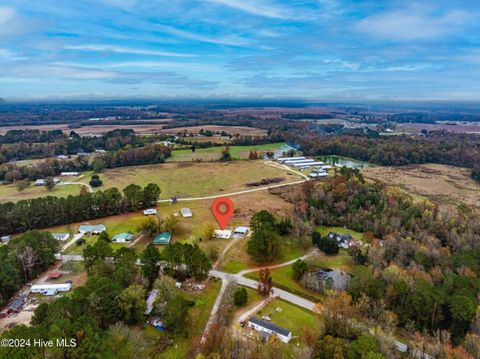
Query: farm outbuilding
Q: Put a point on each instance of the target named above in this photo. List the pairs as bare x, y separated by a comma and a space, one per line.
51, 289
149, 212
186, 212
222, 233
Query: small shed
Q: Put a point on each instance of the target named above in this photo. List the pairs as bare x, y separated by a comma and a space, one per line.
40, 182
54, 275
162, 238
149, 212
186, 212
122, 237
5, 239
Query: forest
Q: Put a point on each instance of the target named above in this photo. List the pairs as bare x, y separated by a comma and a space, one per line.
422, 264
51, 211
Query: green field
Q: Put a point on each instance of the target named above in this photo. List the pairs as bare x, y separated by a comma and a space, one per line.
76, 249
9, 193
194, 179
213, 153
340, 230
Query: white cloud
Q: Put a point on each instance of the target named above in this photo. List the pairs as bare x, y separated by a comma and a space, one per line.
164, 64
412, 24
256, 7
124, 50
6, 14
8, 55
230, 40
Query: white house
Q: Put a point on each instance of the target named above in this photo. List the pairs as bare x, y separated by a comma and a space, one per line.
50, 289
92, 229
69, 174
61, 236
148, 212
150, 300
186, 212
222, 233
270, 329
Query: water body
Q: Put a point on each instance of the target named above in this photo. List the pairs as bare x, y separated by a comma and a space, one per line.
343, 161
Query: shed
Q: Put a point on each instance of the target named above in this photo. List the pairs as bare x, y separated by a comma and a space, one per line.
122, 237
69, 174
40, 182
162, 238
54, 275
186, 212
151, 211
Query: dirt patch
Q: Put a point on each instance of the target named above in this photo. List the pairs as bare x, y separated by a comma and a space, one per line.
440, 183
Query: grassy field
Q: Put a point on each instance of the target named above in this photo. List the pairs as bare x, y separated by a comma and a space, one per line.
76, 249
196, 322
213, 153
440, 183
194, 179
232, 130
9, 193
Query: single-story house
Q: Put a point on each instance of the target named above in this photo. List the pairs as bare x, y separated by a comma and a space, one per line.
62, 157
51, 289
92, 229
40, 182
241, 231
222, 233
162, 238
344, 240
54, 275
99, 150
150, 300
122, 237
186, 212
148, 212
69, 174
318, 174
61, 236
269, 328
5, 238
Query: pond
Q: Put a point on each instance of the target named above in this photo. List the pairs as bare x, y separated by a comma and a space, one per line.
343, 161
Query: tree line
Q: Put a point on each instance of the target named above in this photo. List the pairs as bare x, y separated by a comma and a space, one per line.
150, 154
51, 211
29, 144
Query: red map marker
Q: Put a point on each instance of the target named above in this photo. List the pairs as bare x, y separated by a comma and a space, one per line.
222, 209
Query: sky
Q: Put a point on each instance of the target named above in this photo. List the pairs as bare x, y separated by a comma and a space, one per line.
260, 49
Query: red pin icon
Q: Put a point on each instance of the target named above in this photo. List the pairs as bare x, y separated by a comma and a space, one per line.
222, 209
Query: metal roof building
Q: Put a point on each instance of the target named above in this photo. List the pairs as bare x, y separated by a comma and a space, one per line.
262, 326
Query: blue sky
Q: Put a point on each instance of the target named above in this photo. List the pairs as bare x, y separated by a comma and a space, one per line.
309, 49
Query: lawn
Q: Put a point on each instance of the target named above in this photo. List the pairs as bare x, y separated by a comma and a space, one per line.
213, 153
340, 261
9, 193
291, 317
76, 249
194, 179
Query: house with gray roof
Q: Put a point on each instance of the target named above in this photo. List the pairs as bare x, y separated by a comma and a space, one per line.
267, 329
